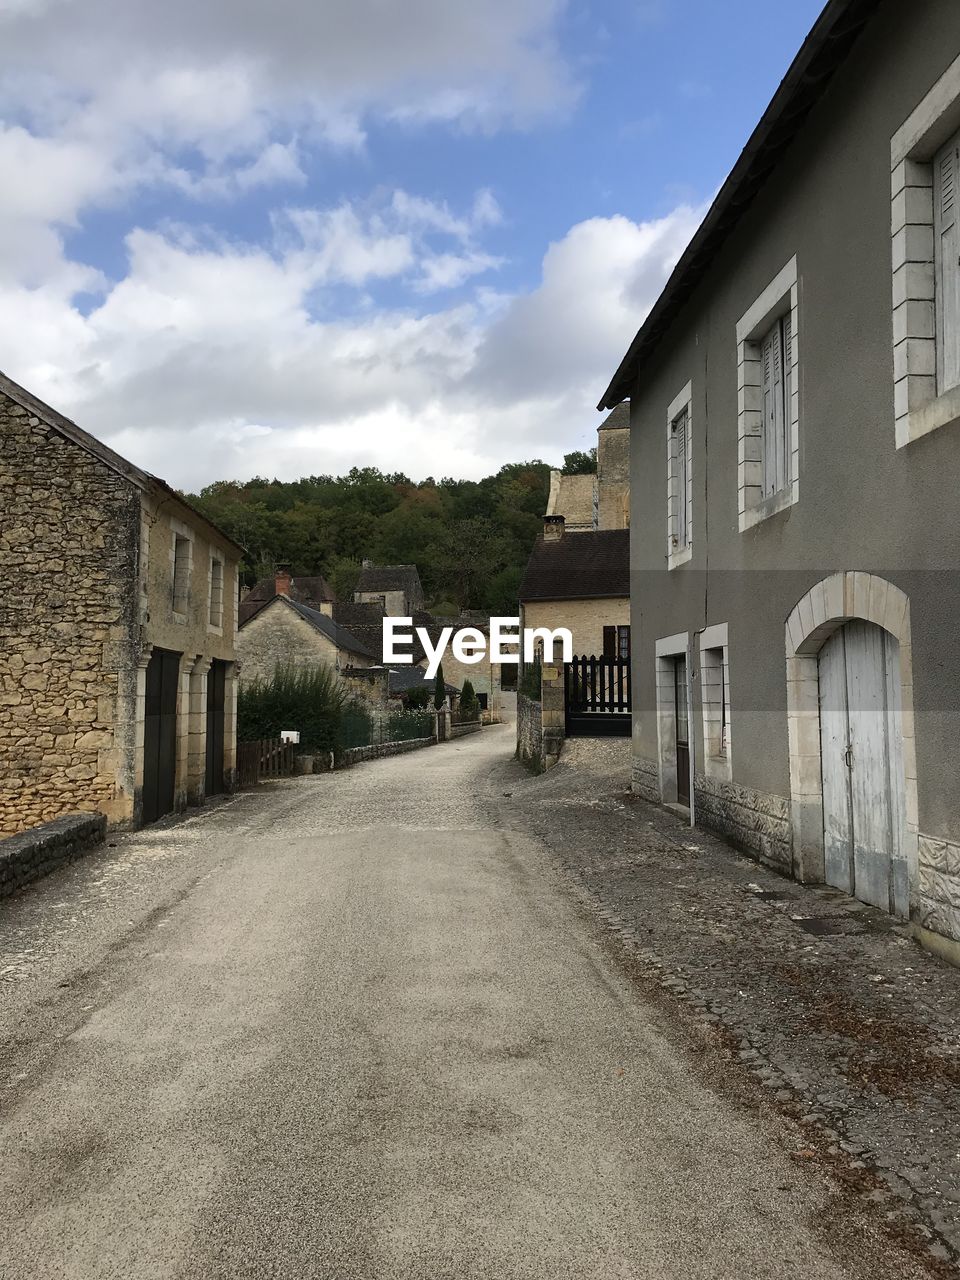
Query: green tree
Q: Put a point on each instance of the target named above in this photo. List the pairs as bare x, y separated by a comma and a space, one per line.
439, 688
469, 707
579, 463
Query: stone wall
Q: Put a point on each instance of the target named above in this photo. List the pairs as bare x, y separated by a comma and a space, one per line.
529, 732
354, 755
757, 823
585, 619
462, 730
277, 636
937, 905
68, 559
645, 779
26, 857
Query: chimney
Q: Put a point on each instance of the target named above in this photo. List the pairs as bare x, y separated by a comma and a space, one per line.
281, 580
553, 527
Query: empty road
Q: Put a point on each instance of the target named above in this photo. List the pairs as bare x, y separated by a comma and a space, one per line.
354, 1026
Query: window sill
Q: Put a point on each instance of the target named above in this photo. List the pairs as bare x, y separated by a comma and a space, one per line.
771, 506
676, 559
944, 411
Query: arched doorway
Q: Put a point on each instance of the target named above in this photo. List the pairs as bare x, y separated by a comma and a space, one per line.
852, 754
862, 765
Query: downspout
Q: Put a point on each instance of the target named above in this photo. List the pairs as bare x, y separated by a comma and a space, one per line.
691, 730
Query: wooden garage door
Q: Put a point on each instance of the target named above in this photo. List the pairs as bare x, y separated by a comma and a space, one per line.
862, 766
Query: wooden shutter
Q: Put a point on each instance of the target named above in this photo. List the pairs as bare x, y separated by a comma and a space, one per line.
784, 440
774, 356
610, 640
946, 195
681, 467
768, 433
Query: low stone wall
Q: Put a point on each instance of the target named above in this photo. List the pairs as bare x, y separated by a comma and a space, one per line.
461, 730
645, 779
754, 821
938, 890
353, 755
32, 854
529, 731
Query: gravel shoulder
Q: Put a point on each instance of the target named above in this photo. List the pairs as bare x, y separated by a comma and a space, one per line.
840, 1023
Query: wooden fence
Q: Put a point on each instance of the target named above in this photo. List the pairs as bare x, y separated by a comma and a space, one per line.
265, 758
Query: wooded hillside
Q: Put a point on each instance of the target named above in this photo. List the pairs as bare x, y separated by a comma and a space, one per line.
469, 539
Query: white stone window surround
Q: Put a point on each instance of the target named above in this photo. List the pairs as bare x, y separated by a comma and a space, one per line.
668, 649
714, 694
216, 594
678, 555
180, 532
917, 406
780, 296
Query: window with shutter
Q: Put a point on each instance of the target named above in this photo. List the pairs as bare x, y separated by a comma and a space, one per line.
774, 361
623, 641
946, 177
681, 446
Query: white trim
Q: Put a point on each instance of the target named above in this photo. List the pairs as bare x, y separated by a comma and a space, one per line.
717, 763
670, 646
918, 409
781, 295
758, 318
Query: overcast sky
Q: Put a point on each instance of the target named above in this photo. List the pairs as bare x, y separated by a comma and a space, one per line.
242, 238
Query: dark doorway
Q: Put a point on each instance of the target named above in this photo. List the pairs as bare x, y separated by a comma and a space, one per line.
683, 731
216, 699
160, 734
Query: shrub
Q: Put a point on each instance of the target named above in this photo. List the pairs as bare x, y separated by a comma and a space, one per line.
439, 688
469, 709
530, 680
311, 700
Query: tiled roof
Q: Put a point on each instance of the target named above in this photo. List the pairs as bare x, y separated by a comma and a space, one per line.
389, 577
338, 635
579, 566
312, 591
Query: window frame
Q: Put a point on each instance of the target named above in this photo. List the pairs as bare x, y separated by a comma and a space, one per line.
714, 711
679, 553
180, 600
781, 298
215, 599
919, 405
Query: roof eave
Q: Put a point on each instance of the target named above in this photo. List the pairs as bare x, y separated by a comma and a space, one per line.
789, 107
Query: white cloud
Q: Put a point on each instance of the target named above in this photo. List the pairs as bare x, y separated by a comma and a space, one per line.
206, 362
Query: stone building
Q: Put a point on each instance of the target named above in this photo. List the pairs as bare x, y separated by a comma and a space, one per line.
580, 581
795, 438
313, 591
395, 587
283, 631
601, 501
117, 625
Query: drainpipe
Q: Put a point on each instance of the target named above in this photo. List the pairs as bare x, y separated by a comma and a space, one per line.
691, 730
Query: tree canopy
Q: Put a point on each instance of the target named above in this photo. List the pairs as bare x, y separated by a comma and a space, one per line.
470, 539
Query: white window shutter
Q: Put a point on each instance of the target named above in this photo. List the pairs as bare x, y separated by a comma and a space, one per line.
946, 198
680, 445
784, 437
769, 352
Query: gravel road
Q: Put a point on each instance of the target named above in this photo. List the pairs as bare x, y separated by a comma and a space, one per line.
356, 1026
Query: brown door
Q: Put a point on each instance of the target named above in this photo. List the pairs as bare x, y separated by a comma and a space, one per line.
216, 703
160, 734
683, 731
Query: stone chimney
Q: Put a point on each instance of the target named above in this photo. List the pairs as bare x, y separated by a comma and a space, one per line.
553, 527
281, 580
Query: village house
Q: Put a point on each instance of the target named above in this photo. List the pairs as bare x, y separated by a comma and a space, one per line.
395, 587
578, 574
117, 626
283, 631
485, 675
795, 437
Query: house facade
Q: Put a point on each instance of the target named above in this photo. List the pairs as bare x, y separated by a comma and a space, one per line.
283, 631
395, 587
117, 629
795, 447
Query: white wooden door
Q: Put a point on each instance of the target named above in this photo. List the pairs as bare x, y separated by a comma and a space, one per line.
862, 766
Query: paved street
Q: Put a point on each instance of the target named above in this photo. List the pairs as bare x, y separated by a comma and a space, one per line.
357, 1026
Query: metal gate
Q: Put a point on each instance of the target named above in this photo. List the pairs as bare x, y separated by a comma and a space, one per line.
160, 734
216, 702
597, 696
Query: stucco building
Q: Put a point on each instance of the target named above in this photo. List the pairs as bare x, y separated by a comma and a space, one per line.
795, 439
117, 626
